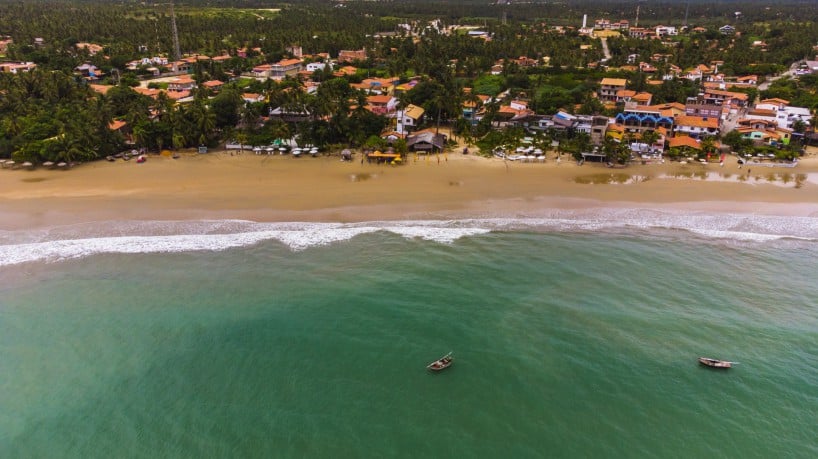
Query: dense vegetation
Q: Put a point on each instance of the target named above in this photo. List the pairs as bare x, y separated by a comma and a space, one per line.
50, 114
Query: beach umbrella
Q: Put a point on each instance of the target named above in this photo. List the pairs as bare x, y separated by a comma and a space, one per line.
61, 164
48, 164
10, 163
28, 164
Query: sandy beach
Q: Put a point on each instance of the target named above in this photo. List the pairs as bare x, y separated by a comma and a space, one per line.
225, 185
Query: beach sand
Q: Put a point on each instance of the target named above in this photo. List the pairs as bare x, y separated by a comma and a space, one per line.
222, 185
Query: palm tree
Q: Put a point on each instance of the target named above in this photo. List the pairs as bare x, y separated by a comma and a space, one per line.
205, 122
140, 133
650, 138
610, 147
708, 145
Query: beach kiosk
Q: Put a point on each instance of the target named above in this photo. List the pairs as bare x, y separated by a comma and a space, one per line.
381, 157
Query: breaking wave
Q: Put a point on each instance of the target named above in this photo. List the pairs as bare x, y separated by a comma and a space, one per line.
129, 237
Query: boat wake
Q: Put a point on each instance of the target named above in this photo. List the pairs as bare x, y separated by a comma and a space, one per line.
129, 237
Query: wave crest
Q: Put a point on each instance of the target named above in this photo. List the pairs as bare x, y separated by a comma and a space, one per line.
77, 241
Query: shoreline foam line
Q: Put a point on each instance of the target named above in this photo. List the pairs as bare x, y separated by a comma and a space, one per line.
124, 237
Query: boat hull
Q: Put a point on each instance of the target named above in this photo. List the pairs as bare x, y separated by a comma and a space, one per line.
715, 363
440, 364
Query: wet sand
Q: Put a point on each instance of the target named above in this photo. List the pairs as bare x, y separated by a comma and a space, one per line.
222, 185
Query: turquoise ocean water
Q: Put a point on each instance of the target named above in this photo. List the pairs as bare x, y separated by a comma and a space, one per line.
572, 337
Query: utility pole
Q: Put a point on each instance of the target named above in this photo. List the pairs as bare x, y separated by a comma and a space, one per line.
177, 54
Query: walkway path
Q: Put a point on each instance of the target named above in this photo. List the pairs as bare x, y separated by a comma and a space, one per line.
605, 49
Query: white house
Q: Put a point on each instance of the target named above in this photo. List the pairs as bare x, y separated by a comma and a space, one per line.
696, 126
779, 111
313, 66
408, 118
666, 31
252, 98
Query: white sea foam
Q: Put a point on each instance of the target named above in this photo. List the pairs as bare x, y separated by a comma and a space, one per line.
77, 241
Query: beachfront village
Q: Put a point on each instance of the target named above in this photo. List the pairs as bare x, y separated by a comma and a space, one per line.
604, 89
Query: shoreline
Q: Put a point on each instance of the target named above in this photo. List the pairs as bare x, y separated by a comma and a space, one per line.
224, 186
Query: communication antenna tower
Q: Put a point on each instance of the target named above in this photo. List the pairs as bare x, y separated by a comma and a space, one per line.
177, 53
636, 23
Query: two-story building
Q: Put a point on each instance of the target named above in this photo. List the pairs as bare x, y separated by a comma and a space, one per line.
695, 126
409, 118
261, 71
381, 104
666, 31
181, 84
285, 68
718, 97
315, 66
698, 107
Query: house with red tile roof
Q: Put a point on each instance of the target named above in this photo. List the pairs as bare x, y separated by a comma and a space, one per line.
213, 85
252, 98
181, 83
764, 131
150, 92
684, 141
381, 104
715, 96
352, 55
345, 71
261, 71
180, 96
285, 68
695, 126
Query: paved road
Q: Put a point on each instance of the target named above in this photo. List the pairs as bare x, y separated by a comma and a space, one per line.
789, 73
732, 121
605, 49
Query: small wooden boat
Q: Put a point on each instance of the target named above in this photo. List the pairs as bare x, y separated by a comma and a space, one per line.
441, 363
715, 363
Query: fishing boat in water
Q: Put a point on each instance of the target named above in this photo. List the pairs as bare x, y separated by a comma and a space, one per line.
441, 363
715, 363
